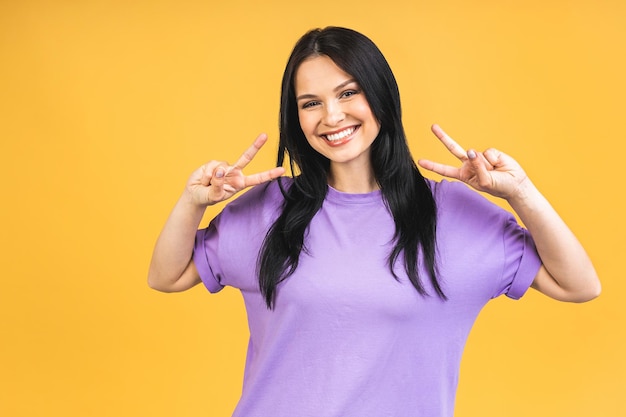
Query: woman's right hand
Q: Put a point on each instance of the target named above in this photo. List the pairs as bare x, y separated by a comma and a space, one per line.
217, 181
172, 268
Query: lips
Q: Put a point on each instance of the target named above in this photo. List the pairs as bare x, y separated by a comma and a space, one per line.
342, 134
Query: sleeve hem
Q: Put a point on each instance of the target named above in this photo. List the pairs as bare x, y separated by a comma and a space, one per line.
201, 260
528, 268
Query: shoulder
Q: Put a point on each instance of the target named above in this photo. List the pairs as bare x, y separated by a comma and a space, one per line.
460, 204
248, 216
450, 194
473, 230
259, 205
445, 190
261, 195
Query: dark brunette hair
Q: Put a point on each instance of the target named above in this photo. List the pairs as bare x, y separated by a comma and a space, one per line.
404, 189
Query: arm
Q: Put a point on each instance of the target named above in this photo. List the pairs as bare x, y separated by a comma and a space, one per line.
567, 273
172, 268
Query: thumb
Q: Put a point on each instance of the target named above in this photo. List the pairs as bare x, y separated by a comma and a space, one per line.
216, 186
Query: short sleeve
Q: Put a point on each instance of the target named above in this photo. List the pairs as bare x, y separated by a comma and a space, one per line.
205, 256
473, 230
521, 261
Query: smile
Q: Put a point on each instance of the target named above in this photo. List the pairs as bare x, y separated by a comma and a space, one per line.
341, 134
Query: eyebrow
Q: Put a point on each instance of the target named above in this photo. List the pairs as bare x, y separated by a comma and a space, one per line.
339, 87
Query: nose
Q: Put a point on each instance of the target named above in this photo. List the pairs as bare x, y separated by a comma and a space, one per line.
333, 114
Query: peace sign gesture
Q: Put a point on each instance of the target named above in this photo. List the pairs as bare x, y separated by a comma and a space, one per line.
217, 181
491, 171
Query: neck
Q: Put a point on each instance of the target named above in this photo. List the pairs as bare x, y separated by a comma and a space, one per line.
355, 181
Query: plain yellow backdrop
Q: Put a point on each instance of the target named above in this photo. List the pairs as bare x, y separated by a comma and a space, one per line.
107, 106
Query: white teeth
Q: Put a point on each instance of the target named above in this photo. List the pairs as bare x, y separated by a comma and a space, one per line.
340, 135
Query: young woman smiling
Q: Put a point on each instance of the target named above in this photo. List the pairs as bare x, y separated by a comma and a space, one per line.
360, 277
337, 122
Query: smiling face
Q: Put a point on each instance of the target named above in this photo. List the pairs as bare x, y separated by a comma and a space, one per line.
335, 116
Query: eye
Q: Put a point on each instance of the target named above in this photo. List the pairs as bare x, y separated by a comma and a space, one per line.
310, 104
349, 93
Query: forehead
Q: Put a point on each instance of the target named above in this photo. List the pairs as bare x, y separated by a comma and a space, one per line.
318, 73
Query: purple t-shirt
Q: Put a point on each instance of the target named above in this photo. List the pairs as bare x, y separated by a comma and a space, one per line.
345, 338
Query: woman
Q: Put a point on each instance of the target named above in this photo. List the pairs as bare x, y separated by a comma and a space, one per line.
360, 277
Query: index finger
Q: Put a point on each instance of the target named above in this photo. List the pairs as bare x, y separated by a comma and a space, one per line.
454, 148
250, 153
441, 169
265, 176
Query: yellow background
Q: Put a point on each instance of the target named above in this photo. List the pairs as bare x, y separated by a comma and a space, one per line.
107, 106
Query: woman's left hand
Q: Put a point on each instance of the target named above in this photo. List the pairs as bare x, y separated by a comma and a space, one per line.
567, 273
491, 171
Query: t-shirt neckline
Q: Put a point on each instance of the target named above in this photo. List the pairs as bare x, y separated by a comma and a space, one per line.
337, 196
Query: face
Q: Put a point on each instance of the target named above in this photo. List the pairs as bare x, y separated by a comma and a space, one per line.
334, 114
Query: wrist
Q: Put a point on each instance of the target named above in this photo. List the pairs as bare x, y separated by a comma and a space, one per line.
526, 197
191, 203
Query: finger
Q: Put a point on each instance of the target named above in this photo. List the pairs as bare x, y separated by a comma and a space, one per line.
205, 179
251, 152
454, 148
265, 176
216, 187
217, 178
207, 171
480, 163
441, 169
493, 156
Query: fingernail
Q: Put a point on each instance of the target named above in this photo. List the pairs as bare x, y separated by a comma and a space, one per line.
219, 174
471, 154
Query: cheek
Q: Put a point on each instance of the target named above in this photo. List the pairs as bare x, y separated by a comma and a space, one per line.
306, 123
363, 111
308, 127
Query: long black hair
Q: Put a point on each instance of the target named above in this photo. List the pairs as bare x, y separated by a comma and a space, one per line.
404, 189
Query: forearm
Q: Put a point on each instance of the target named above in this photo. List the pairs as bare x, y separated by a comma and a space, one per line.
174, 248
562, 255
